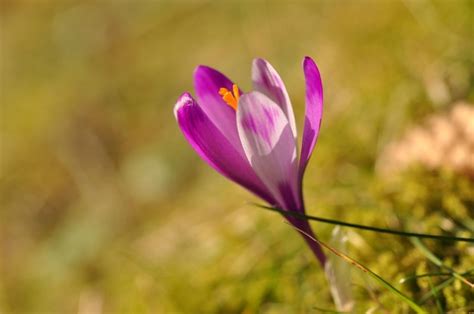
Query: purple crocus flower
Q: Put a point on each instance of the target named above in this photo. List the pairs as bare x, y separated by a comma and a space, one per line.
250, 137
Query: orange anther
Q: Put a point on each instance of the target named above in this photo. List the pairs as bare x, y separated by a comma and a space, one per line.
232, 99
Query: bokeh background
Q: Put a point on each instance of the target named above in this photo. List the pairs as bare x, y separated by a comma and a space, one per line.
105, 208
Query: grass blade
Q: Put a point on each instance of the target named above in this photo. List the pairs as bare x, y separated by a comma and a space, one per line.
435, 260
379, 279
436, 274
436, 289
367, 228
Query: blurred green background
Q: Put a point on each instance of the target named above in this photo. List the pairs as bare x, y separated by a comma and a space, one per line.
105, 208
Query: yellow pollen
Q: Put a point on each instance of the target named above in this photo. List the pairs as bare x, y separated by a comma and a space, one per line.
231, 98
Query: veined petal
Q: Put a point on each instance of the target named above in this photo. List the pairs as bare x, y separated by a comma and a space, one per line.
270, 147
267, 81
314, 111
212, 146
207, 83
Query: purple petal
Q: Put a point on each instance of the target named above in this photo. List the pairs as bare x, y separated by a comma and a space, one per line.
270, 147
314, 111
267, 81
215, 148
207, 83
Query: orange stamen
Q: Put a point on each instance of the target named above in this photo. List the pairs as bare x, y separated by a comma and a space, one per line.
231, 98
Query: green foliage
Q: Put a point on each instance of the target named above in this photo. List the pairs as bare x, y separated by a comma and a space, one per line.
436, 202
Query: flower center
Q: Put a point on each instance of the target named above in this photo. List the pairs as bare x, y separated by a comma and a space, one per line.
230, 97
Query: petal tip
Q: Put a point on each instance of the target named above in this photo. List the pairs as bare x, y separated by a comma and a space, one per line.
259, 60
309, 62
311, 70
199, 69
201, 72
183, 100
259, 64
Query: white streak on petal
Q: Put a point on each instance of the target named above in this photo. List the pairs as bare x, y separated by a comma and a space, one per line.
269, 145
267, 81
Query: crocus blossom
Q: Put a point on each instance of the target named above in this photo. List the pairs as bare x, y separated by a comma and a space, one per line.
250, 137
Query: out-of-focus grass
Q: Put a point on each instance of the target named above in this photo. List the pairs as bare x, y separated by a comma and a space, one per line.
106, 208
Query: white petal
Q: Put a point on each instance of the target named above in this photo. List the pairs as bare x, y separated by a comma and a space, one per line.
267, 81
270, 146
